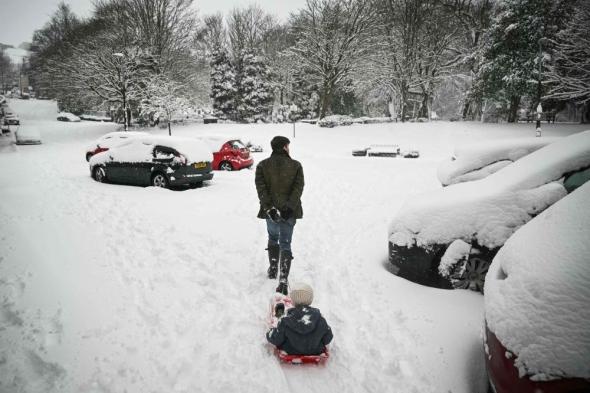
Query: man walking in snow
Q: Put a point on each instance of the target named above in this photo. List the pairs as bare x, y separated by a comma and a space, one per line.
279, 183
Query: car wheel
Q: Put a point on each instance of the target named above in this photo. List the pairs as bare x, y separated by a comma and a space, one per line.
99, 174
226, 166
470, 273
160, 180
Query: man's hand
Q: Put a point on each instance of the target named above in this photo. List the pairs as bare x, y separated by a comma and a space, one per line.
273, 214
286, 212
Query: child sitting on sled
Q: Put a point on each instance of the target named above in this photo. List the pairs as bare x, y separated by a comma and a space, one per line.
303, 330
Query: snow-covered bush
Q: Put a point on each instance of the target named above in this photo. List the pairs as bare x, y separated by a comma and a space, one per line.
372, 120
335, 120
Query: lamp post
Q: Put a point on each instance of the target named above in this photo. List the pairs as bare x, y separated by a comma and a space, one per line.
124, 91
292, 109
539, 112
539, 88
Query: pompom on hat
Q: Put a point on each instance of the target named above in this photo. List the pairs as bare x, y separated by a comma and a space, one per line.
301, 294
278, 142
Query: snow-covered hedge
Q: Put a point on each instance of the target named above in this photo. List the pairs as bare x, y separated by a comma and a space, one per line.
489, 210
335, 120
371, 120
476, 161
537, 293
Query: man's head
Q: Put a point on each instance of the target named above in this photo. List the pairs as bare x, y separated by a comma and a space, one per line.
301, 294
279, 143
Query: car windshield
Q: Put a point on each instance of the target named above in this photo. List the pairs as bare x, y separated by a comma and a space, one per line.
576, 179
163, 153
238, 145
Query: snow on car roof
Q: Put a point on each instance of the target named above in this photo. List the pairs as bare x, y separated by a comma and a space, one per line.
472, 157
537, 295
216, 141
491, 209
140, 149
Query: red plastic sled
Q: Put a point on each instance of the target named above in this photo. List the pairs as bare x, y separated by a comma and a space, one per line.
278, 298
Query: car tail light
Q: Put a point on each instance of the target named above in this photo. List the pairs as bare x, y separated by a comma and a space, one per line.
100, 149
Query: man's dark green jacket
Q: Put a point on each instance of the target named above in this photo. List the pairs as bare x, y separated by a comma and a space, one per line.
279, 183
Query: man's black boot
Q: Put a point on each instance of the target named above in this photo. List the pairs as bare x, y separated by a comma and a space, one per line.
286, 258
273, 260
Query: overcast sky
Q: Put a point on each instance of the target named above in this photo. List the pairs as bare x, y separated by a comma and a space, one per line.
20, 18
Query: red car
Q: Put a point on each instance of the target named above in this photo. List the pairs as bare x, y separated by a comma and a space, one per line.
229, 155
537, 301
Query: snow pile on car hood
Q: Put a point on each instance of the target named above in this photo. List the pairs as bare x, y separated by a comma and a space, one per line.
491, 209
472, 160
537, 292
140, 149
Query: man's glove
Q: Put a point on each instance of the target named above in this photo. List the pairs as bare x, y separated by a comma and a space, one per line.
273, 214
286, 212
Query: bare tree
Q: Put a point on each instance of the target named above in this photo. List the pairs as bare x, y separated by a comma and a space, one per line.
162, 96
6, 71
331, 36
247, 29
101, 67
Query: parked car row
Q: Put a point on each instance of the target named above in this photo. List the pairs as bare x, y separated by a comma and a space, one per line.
448, 238
137, 158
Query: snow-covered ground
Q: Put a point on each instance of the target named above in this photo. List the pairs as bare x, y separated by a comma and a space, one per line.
109, 288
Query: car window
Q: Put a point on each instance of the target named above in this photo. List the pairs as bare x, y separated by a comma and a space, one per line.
576, 179
238, 145
163, 153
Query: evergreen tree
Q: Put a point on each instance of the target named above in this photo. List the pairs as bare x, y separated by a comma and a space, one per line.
223, 85
569, 75
254, 90
515, 45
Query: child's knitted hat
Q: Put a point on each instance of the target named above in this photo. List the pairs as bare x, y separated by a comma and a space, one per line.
301, 294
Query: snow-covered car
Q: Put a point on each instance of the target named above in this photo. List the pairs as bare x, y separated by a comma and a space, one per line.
447, 238
154, 161
27, 136
11, 118
67, 116
537, 303
110, 140
229, 154
96, 116
476, 161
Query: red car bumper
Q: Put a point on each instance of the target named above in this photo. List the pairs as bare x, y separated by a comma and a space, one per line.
504, 377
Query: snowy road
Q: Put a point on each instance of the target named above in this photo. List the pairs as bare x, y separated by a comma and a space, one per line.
108, 288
